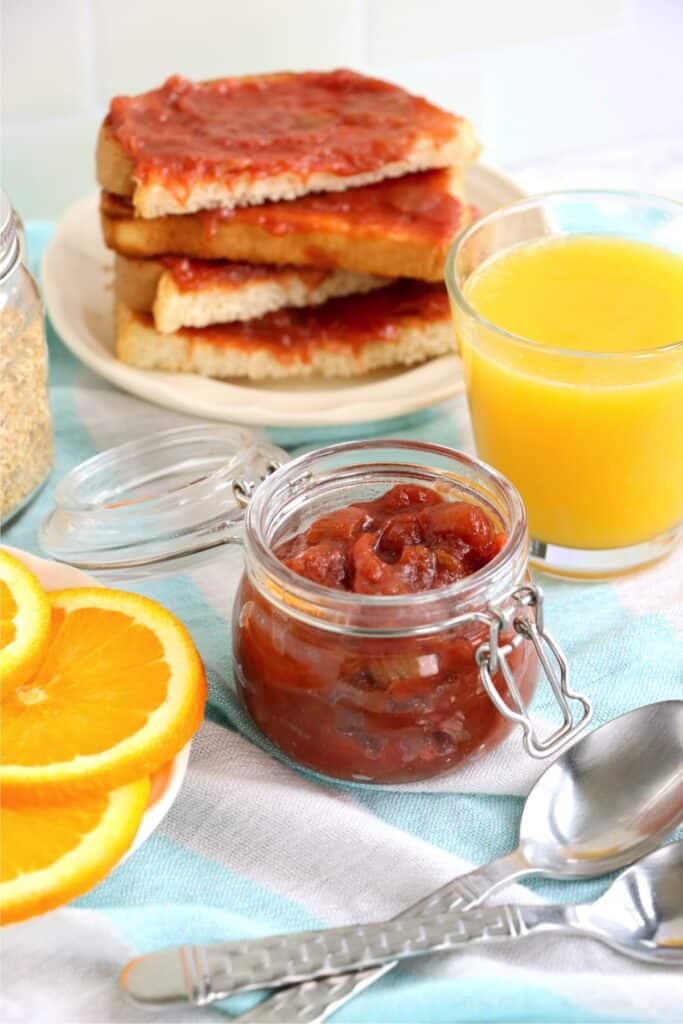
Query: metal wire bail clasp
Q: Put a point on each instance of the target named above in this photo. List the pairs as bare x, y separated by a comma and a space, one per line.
526, 619
243, 489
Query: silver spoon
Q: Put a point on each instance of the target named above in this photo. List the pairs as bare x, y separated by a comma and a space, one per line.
640, 915
608, 800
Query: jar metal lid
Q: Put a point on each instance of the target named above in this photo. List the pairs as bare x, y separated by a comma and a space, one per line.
159, 504
10, 249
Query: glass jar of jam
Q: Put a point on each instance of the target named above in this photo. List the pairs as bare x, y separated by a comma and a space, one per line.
386, 628
369, 579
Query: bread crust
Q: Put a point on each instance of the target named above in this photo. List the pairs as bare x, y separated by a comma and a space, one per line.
113, 165
136, 282
148, 286
139, 344
186, 235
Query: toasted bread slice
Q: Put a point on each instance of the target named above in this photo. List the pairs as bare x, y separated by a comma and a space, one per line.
407, 322
182, 292
398, 228
231, 142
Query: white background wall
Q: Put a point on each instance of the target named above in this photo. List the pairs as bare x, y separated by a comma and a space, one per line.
539, 78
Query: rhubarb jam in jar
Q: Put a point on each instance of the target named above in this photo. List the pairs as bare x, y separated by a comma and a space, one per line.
385, 626
379, 577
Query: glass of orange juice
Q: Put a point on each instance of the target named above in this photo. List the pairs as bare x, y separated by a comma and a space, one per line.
568, 310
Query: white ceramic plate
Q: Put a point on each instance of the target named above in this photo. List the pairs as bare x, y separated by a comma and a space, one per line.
167, 782
77, 285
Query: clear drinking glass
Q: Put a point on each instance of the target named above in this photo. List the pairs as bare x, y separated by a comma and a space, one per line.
592, 440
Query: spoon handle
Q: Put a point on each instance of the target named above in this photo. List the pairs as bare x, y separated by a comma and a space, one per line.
203, 974
314, 1001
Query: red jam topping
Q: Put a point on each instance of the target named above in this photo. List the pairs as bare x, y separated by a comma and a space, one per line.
416, 205
336, 122
195, 274
384, 709
351, 320
407, 541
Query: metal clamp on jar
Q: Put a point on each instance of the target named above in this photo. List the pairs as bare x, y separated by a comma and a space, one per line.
371, 688
26, 444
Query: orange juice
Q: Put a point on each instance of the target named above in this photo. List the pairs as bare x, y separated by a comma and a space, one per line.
576, 393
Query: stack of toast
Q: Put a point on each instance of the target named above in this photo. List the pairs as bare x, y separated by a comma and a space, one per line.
281, 225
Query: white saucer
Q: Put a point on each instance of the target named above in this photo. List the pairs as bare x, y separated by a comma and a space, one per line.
77, 282
166, 783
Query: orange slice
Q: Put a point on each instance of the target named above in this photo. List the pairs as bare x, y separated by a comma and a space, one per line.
49, 855
120, 691
24, 622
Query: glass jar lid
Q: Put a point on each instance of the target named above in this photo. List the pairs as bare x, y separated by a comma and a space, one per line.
157, 505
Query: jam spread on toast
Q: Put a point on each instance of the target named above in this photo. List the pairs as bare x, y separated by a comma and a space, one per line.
195, 274
418, 205
353, 320
338, 122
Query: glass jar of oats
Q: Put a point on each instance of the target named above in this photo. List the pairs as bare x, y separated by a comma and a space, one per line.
26, 443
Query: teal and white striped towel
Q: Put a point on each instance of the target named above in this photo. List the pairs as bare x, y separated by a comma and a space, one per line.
253, 846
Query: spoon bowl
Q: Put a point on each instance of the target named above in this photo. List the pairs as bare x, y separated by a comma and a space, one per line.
610, 799
641, 914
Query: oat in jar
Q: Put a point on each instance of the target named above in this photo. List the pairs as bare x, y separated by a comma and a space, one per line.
26, 442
